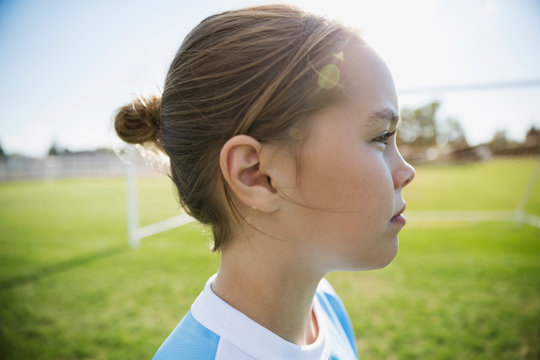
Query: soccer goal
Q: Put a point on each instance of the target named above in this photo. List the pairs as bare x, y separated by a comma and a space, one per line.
518, 215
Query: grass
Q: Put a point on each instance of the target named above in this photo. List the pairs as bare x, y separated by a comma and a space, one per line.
491, 185
469, 293
71, 289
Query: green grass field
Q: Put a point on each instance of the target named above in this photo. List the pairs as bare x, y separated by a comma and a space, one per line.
70, 288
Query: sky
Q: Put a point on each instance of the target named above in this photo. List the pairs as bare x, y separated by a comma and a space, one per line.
66, 66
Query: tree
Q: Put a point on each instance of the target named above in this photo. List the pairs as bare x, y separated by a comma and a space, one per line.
450, 132
3, 155
420, 129
499, 140
418, 126
53, 150
532, 137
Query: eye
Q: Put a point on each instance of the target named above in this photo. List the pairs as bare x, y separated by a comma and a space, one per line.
384, 137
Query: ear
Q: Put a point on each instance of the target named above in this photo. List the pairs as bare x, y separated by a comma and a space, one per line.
240, 165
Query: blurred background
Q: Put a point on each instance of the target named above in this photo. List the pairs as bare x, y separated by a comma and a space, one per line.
466, 283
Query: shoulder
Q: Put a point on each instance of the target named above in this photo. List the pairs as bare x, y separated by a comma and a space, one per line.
189, 340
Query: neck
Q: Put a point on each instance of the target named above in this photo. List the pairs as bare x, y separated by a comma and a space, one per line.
273, 290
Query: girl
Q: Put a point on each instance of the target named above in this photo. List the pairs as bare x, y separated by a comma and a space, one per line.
280, 129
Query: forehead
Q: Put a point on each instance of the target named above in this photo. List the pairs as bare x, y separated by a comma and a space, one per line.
368, 94
367, 81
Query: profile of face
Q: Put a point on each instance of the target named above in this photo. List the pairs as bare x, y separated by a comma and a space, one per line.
346, 196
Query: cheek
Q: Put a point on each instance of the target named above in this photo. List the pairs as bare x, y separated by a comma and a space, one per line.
352, 179
351, 190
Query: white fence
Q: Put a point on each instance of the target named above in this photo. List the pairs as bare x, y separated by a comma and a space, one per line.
65, 166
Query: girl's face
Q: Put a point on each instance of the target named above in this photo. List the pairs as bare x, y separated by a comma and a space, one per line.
346, 203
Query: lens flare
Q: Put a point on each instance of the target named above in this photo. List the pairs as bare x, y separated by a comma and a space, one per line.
329, 76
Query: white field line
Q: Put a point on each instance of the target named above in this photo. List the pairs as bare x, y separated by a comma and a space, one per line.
532, 220
456, 215
474, 216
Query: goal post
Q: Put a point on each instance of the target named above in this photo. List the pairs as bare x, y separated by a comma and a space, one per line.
134, 230
132, 201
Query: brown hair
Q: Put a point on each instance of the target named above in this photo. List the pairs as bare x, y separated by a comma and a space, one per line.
258, 71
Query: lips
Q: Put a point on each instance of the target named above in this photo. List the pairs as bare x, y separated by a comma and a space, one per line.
398, 218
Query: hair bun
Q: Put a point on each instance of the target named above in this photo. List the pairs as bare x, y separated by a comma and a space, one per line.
140, 121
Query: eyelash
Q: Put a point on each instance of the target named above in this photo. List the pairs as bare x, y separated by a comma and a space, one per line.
383, 138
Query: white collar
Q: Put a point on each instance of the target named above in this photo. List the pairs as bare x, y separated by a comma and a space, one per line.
251, 337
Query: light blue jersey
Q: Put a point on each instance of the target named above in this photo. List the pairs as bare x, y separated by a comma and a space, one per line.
215, 330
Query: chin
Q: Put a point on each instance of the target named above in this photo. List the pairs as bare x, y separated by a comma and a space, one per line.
383, 258
387, 260
376, 257
391, 253
372, 264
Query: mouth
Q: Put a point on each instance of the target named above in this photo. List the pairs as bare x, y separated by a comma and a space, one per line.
398, 218
401, 211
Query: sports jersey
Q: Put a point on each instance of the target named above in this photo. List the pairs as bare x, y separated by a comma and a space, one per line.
213, 329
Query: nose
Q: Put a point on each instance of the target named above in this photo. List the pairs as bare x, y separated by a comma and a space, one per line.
403, 174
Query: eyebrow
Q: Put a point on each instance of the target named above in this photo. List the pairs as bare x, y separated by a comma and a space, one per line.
386, 115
